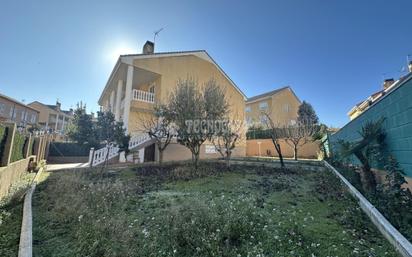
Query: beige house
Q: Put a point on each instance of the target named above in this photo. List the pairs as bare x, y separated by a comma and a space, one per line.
14, 111
52, 118
364, 105
281, 104
140, 81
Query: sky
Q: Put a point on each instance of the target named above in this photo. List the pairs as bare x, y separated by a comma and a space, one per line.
332, 53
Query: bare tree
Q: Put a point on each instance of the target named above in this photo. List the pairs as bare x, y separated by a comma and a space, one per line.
159, 128
225, 140
298, 135
276, 134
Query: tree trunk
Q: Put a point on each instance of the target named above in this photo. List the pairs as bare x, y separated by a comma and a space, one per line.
295, 152
367, 177
228, 155
196, 155
279, 151
160, 157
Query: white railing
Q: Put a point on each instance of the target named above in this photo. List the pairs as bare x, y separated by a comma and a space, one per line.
137, 140
99, 156
144, 96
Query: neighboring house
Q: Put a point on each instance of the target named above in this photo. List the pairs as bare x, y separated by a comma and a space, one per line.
140, 81
12, 110
52, 118
364, 105
395, 105
281, 104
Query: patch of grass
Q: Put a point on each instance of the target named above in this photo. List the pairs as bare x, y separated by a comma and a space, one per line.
11, 210
176, 211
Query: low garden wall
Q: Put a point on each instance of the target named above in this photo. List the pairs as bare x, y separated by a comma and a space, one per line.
16, 151
307, 151
12, 173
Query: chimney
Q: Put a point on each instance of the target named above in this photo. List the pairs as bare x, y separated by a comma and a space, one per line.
58, 105
410, 66
148, 47
388, 82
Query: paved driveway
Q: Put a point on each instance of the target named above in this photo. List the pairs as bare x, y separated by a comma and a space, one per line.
51, 167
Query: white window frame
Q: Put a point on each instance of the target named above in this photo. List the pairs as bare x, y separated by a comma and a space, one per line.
263, 105
248, 109
286, 108
2, 108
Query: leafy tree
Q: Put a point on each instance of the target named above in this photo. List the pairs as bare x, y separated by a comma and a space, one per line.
82, 129
191, 110
306, 114
321, 136
159, 128
121, 138
371, 134
109, 131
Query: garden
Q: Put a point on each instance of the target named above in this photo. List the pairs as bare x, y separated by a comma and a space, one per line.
177, 210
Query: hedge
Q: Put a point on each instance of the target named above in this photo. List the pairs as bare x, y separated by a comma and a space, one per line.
68, 149
31, 146
17, 152
258, 134
3, 137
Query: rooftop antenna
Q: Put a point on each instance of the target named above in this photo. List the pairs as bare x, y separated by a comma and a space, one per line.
156, 33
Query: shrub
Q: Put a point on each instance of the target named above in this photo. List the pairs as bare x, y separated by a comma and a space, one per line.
3, 137
17, 152
68, 149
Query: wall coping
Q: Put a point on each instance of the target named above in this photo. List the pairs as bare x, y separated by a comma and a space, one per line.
26, 235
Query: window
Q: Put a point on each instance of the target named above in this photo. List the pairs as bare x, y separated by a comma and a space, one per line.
286, 108
248, 109
2, 108
11, 114
263, 119
293, 122
152, 88
33, 118
263, 106
249, 120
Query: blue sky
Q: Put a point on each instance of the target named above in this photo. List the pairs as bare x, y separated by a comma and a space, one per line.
332, 53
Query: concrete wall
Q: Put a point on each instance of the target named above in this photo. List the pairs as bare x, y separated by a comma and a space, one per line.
12, 173
396, 107
307, 151
177, 152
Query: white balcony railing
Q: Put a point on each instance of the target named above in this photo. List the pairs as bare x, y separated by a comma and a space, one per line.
143, 96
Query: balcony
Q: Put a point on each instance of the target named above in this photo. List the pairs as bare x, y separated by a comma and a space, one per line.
143, 96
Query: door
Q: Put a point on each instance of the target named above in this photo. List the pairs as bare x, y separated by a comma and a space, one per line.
149, 153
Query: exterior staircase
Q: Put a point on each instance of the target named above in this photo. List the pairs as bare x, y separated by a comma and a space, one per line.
137, 143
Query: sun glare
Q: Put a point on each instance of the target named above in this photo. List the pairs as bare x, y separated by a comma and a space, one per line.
119, 50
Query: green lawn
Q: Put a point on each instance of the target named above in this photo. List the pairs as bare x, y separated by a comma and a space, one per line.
11, 210
175, 211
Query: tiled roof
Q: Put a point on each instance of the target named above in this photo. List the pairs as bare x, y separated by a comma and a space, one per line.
163, 53
270, 93
17, 102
